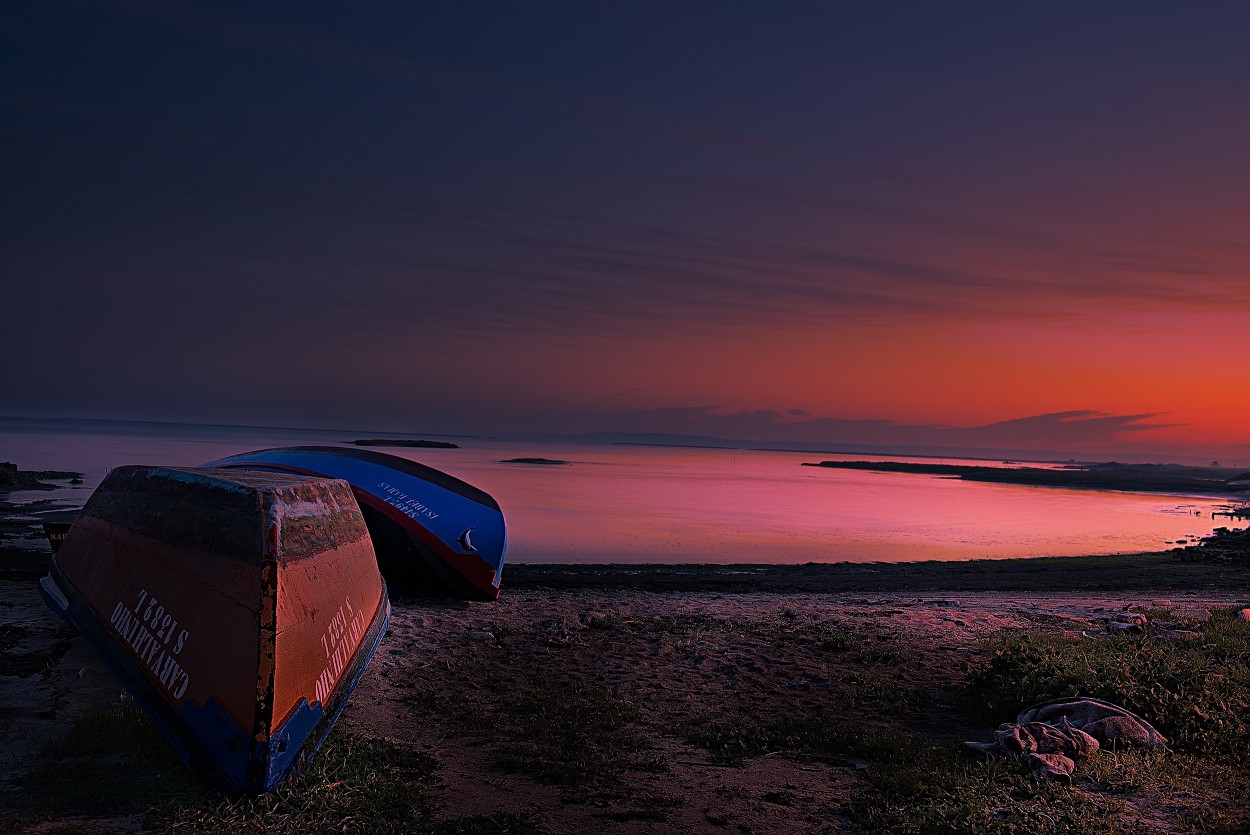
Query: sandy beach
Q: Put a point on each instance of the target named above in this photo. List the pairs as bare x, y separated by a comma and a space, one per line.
467, 685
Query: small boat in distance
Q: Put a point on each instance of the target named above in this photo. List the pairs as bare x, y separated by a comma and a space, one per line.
238, 608
55, 532
55, 529
435, 535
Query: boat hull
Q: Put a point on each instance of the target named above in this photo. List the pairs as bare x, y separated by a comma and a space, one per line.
434, 534
239, 609
55, 532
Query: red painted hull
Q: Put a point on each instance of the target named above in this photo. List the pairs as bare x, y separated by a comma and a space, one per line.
239, 607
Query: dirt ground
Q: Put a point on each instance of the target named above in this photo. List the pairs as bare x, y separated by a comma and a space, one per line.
445, 672
681, 658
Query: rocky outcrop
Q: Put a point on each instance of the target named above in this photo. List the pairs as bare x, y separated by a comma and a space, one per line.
11, 478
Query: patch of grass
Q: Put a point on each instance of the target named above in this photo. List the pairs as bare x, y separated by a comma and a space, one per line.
572, 735
115, 762
1126, 771
1197, 693
564, 734
463, 710
860, 647
910, 784
880, 650
1208, 794
733, 742
880, 692
354, 784
1219, 812
914, 785
1165, 614
932, 788
109, 761
838, 640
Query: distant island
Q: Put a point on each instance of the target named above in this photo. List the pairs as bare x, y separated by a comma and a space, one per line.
549, 462
404, 442
676, 445
1162, 478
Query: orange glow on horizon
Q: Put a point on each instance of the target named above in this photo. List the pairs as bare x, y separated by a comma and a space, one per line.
1179, 368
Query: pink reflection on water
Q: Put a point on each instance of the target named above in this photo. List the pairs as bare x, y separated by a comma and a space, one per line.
635, 504
667, 505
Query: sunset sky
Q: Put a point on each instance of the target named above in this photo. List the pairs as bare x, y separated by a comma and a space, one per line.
1009, 226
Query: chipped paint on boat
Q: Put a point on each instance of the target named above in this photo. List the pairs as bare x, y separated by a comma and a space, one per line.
239, 609
433, 533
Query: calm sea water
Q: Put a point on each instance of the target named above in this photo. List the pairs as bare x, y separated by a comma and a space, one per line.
631, 504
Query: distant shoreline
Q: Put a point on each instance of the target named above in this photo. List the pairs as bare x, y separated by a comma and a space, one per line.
23, 424
1157, 571
1154, 572
1153, 478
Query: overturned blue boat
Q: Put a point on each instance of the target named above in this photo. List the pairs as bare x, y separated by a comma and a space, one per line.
434, 534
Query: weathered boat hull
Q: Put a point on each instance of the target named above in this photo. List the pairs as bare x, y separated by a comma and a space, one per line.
238, 608
55, 532
56, 524
434, 534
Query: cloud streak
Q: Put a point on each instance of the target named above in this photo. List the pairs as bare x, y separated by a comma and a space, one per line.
1073, 431
557, 269
854, 245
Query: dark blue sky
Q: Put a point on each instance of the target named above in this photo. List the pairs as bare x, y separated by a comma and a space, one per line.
495, 216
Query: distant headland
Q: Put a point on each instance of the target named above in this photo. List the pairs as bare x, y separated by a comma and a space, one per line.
1160, 478
546, 462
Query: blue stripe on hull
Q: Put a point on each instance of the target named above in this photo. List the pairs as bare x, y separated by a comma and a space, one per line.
464, 519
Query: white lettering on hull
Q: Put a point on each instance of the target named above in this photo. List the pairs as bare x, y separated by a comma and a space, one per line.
154, 638
340, 640
399, 499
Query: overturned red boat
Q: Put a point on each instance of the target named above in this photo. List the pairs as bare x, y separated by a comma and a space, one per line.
434, 534
239, 608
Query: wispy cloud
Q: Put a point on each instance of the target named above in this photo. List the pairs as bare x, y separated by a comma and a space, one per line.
525, 268
1076, 431
861, 242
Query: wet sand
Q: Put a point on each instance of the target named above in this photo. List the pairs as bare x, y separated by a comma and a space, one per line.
1105, 573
